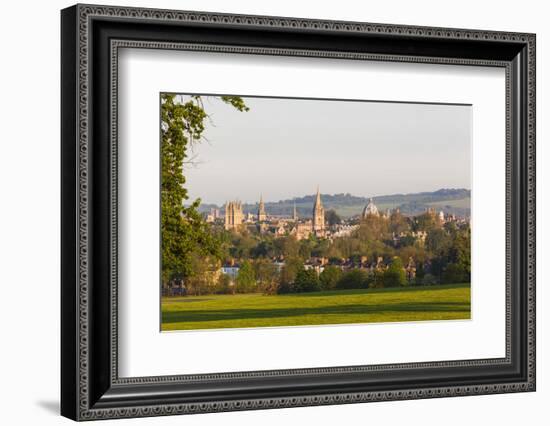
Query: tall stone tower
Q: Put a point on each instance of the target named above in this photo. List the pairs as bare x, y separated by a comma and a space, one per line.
262, 216
318, 216
294, 213
233, 214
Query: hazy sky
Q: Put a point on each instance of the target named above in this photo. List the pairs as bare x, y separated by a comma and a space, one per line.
284, 148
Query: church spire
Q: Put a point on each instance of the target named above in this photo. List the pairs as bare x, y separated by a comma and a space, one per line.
262, 216
318, 216
294, 212
318, 199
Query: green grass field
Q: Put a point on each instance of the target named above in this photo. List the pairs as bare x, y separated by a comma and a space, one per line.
443, 302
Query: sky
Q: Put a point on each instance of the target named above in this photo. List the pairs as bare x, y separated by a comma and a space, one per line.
284, 148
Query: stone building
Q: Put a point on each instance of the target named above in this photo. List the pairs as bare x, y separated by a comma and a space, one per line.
233, 215
318, 216
302, 230
262, 216
370, 210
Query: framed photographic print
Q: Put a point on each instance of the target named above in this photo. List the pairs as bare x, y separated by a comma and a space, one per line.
263, 212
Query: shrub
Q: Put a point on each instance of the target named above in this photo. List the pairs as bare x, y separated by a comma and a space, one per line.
288, 275
224, 285
376, 279
284, 288
329, 277
454, 273
355, 278
266, 275
429, 279
395, 275
306, 281
245, 281
420, 273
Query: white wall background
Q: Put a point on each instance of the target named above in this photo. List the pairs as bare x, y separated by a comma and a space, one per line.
29, 211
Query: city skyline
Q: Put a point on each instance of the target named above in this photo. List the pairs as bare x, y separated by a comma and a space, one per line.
367, 149
455, 202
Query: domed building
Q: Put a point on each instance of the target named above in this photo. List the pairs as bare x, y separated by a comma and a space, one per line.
370, 210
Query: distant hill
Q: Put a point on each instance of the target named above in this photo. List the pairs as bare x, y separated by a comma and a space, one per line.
456, 201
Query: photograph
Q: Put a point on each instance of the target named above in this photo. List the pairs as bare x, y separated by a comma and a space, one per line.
273, 208
280, 212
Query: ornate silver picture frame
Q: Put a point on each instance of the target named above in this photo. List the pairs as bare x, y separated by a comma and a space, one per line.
91, 39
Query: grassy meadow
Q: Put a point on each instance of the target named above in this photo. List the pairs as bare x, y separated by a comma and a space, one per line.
442, 302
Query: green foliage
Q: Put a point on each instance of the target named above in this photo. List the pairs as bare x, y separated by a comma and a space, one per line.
203, 281
429, 279
425, 222
305, 247
235, 101
332, 217
376, 279
224, 285
288, 275
417, 252
407, 241
369, 240
437, 265
395, 275
460, 251
184, 232
451, 227
243, 245
455, 273
420, 273
330, 277
288, 247
266, 276
353, 279
320, 247
398, 223
284, 287
306, 281
245, 281
373, 228
438, 241
265, 248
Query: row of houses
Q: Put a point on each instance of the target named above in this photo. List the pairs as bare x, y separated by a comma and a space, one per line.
319, 264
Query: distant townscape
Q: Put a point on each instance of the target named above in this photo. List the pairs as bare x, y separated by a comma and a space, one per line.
234, 218
449, 200
277, 253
